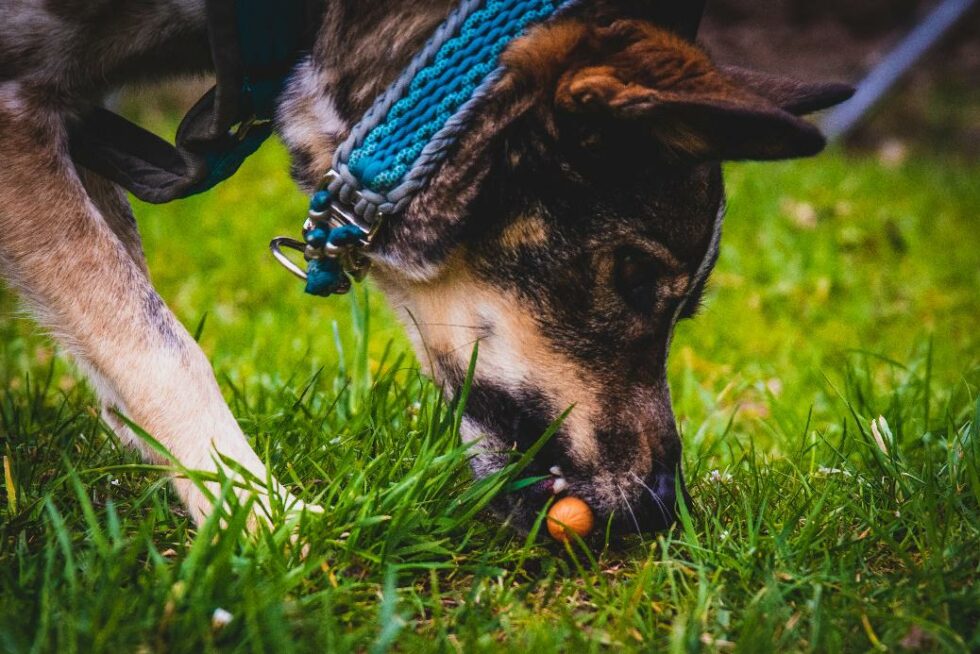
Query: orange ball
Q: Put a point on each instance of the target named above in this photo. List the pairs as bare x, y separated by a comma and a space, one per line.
569, 514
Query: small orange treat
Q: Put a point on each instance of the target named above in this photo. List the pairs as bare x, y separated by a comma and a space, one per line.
569, 514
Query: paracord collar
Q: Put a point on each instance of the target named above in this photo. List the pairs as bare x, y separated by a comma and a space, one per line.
398, 144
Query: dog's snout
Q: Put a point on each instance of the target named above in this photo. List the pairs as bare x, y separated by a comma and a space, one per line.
658, 502
647, 504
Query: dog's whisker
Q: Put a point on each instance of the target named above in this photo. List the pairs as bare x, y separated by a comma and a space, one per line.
653, 493
664, 513
640, 481
636, 523
467, 344
450, 324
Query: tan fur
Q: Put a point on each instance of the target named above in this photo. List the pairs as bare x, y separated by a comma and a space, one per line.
530, 231
447, 316
78, 261
544, 53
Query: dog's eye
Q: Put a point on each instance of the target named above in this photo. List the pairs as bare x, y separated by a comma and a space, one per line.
636, 276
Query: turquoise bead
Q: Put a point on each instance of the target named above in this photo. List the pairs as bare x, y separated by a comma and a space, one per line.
320, 201
323, 276
317, 237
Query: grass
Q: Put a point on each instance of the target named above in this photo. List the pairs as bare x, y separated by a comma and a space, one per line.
846, 291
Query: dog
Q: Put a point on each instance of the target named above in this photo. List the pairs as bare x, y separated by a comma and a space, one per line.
572, 226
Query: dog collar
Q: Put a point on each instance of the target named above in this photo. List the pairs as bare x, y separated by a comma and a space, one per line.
392, 152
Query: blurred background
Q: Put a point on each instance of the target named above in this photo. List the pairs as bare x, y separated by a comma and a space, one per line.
936, 105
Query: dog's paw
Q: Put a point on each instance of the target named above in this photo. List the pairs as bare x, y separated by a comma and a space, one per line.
298, 507
285, 508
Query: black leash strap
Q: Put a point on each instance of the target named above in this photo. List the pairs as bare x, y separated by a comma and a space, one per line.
254, 45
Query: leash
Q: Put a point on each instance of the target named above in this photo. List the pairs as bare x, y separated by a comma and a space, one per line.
398, 144
254, 47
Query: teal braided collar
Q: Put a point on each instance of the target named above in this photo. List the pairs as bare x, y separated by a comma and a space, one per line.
398, 144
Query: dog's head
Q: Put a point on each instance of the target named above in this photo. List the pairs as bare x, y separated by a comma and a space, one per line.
570, 230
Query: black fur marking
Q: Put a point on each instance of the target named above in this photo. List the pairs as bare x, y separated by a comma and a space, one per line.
695, 298
637, 278
159, 317
515, 419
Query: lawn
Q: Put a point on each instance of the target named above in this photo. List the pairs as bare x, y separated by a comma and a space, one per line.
846, 291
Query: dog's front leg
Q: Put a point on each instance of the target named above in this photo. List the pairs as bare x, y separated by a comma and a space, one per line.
75, 272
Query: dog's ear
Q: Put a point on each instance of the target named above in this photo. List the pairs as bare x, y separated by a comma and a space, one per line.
633, 80
796, 97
